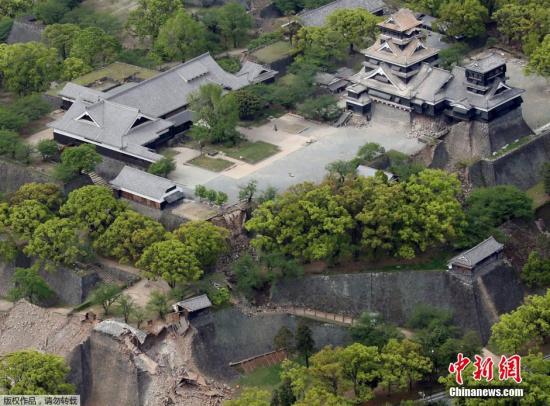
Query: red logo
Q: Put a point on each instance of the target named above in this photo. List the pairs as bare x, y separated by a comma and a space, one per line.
508, 368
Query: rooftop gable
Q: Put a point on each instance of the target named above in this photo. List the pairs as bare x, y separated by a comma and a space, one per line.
477, 254
401, 21
143, 183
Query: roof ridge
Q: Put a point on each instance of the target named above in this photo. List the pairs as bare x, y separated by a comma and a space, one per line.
162, 74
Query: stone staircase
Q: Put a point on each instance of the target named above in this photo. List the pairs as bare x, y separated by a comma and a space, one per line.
97, 179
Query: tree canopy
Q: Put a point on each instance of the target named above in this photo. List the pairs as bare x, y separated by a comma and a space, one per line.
28, 67
172, 261
92, 207
357, 26
26, 217
463, 17
528, 324
48, 194
206, 240
150, 15
181, 37
28, 284
217, 115
128, 236
30, 372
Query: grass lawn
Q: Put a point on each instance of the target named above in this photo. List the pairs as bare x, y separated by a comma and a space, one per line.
264, 378
212, 164
251, 152
274, 52
117, 72
538, 195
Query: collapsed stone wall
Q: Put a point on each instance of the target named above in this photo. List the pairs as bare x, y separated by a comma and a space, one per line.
520, 167
471, 140
395, 294
230, 335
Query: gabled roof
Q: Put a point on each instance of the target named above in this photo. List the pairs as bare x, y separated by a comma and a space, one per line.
117, 329
386, 50
477, 254
73, 91
402, 20
144, 183
486, 64
111, 124
169, 90
193, 304
317, 16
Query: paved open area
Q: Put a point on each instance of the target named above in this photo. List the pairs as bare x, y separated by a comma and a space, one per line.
305, 150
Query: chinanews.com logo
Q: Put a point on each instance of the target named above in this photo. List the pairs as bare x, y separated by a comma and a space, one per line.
509, 370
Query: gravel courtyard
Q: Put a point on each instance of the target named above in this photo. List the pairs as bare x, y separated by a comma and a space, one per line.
304, 156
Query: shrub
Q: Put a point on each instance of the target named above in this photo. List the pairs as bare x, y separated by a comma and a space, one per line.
162, 167
47, 148
219, 296
265, 39
229, 64
323, 108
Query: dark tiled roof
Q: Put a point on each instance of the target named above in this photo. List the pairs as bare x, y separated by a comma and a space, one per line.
477, 254
195, 303
403, 20
143, 183
317, 16
486, 64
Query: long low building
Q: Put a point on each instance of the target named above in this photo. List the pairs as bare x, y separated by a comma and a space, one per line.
146, 188
131, 121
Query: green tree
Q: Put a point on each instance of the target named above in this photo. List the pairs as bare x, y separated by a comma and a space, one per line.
306, 222
370, 331
158, 303
357, 26
8, 141
12, 8
93, 208
58, 241
327, 369
128, 236
487, 208
234, 22
171, 260
427, 6
162, 167
282, 395
539, 62
247, 192
463, 17
452, 55
528, 324
340, 170
304, 342
317, 396
370, 151
28, 67
180, 38
250, 275
217, 115
250, 104
28, 284
75, 160
125, 306
522, 21
321, 108
74, 68
51, 11
47, 148
361, 366
138, 313
284, 339
536, 271
27, 216
251, 397
60, 37
150, 15
205, 240
321, 46
403, 364
105, 295
94, 46
31, 372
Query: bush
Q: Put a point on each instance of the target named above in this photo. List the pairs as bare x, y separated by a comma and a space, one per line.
211, 195
47, 148
536, 271
229, 64
219, 296
51, 11
265, 39
22, 111
162, 167
250, 104
11, 146
323, 108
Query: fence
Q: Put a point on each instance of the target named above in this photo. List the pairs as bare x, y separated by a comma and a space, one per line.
320, 315
263, 360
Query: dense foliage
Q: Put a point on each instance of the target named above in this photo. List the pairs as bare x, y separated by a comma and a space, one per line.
30, 372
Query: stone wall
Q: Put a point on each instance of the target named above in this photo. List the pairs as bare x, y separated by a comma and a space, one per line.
229, 335
520, 167
472, 140
71, 287
395, 294
14, 175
